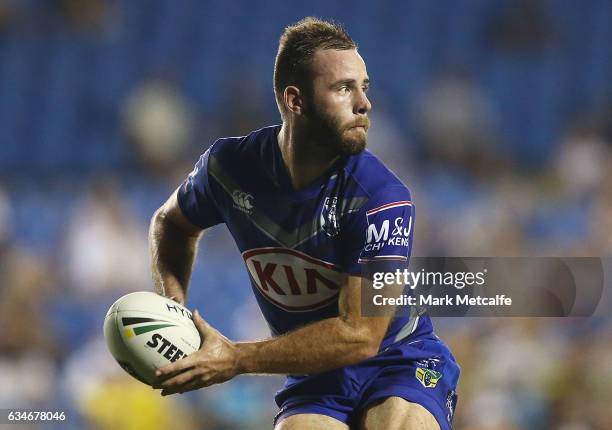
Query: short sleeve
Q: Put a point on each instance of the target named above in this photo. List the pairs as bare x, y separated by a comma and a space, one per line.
382, 233
195, 196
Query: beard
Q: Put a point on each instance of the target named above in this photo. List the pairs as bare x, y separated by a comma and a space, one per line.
342, 139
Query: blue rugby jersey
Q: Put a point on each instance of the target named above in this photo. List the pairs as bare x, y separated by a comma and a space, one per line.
300, 246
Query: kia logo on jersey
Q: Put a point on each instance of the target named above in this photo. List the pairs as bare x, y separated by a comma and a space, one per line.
293, 280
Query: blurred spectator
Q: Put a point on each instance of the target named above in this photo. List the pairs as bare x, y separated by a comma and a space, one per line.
582, 162
6, 214
388, 141
457, 122
84, 14
240, 110
8, 13
28, 351
522, 27
600, 239
159, 122
106, 246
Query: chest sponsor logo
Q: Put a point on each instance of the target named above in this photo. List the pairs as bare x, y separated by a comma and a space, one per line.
243, 201
293, 280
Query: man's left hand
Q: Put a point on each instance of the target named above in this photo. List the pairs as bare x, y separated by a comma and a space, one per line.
213, 363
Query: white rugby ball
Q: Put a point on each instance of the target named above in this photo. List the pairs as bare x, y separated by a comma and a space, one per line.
145, 331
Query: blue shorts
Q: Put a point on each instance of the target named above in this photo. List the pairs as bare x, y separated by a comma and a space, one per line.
420, 371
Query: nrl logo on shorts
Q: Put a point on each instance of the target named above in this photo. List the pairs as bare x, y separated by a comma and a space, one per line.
427, 377
329, 217
243, 201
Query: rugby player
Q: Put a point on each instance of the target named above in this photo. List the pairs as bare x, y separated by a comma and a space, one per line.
311, 210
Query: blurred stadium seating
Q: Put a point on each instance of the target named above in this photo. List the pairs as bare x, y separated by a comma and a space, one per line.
495, 113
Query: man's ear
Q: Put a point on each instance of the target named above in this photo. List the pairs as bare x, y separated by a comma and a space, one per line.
293, 100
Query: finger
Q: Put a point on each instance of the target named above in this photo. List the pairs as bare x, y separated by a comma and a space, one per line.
202, 326
163, 379
208, 383
178, 388
175, 368
194, 384
180, 379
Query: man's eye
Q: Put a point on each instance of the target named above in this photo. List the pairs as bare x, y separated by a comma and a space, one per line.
344, 89
365, 89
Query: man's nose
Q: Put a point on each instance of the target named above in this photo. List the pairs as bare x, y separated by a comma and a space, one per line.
362, 104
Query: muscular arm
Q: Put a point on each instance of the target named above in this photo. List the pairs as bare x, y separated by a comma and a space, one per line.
318, 347
321, 346
172, 244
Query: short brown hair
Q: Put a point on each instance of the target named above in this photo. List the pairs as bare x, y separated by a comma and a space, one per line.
297, 47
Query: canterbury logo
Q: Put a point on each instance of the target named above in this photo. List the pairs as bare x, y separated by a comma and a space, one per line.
243, 201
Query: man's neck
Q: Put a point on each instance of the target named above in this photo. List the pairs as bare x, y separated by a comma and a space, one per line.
305, 160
